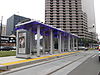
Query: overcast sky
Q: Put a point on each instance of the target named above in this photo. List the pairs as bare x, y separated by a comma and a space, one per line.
34, 9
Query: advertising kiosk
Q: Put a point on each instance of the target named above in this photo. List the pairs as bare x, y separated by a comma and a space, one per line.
23, 44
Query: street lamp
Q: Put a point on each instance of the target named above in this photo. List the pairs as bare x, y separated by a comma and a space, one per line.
91, 27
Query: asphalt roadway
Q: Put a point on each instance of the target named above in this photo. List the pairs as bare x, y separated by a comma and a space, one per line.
89, 67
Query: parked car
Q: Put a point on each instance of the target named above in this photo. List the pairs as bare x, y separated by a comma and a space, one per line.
7, 48
13, 48
82, 48
99, 52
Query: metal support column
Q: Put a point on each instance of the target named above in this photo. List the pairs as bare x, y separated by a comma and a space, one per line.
17, 43
73, 47
76, 43
62, 44
51, 42
65, 45
69, 43
44, 44
31, 42
59, 42
38, 40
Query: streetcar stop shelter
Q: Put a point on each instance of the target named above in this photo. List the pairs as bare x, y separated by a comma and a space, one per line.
36, 38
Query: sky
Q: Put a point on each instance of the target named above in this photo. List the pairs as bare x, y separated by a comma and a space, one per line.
35, 9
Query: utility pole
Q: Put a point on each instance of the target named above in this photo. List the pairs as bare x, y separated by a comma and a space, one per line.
1, 29
1, 25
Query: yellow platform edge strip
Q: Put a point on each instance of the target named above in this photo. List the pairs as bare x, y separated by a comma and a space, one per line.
27, 60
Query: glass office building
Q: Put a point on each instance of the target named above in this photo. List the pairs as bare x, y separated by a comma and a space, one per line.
12, 21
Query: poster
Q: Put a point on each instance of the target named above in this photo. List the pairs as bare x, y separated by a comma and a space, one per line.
22, 38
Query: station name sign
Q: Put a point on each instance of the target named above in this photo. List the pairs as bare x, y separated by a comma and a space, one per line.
5, 39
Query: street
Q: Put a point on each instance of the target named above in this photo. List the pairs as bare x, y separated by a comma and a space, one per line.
74, 64
89, 67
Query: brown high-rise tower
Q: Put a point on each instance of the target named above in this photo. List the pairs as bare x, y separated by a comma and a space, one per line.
67, 15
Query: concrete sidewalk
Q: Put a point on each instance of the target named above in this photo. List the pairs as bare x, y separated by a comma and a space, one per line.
9, 59
10, 62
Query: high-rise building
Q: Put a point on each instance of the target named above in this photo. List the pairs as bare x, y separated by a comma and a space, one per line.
88, 7
67, 15
12, 21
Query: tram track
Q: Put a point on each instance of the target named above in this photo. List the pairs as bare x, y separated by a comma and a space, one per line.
54, 72
63, 66
39, 63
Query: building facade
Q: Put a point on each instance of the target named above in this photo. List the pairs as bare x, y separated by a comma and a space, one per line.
67, 15
12, 21
3, 30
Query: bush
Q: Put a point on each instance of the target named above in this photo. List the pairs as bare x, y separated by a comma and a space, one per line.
7, 53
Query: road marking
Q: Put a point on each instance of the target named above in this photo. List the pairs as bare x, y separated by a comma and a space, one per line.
21, 61
93, 56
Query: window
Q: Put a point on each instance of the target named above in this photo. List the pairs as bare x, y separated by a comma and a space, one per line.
57, 3
51, 15
63, 5
51, 21
51, 18
76, 8
70, 21
69, 5
57, 0
64, 18
70, 15
51, 5
75, 0
76, 18
64, 26
57, 15
70, 18
64, 15
57, 18
57, 10
76, 3
57, 21
57, 24
63, 0
51, 0
64, 21
64, 11
51, 10
57, 27
70, 10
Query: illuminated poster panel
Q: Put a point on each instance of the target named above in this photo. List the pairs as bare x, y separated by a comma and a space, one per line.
22, 42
